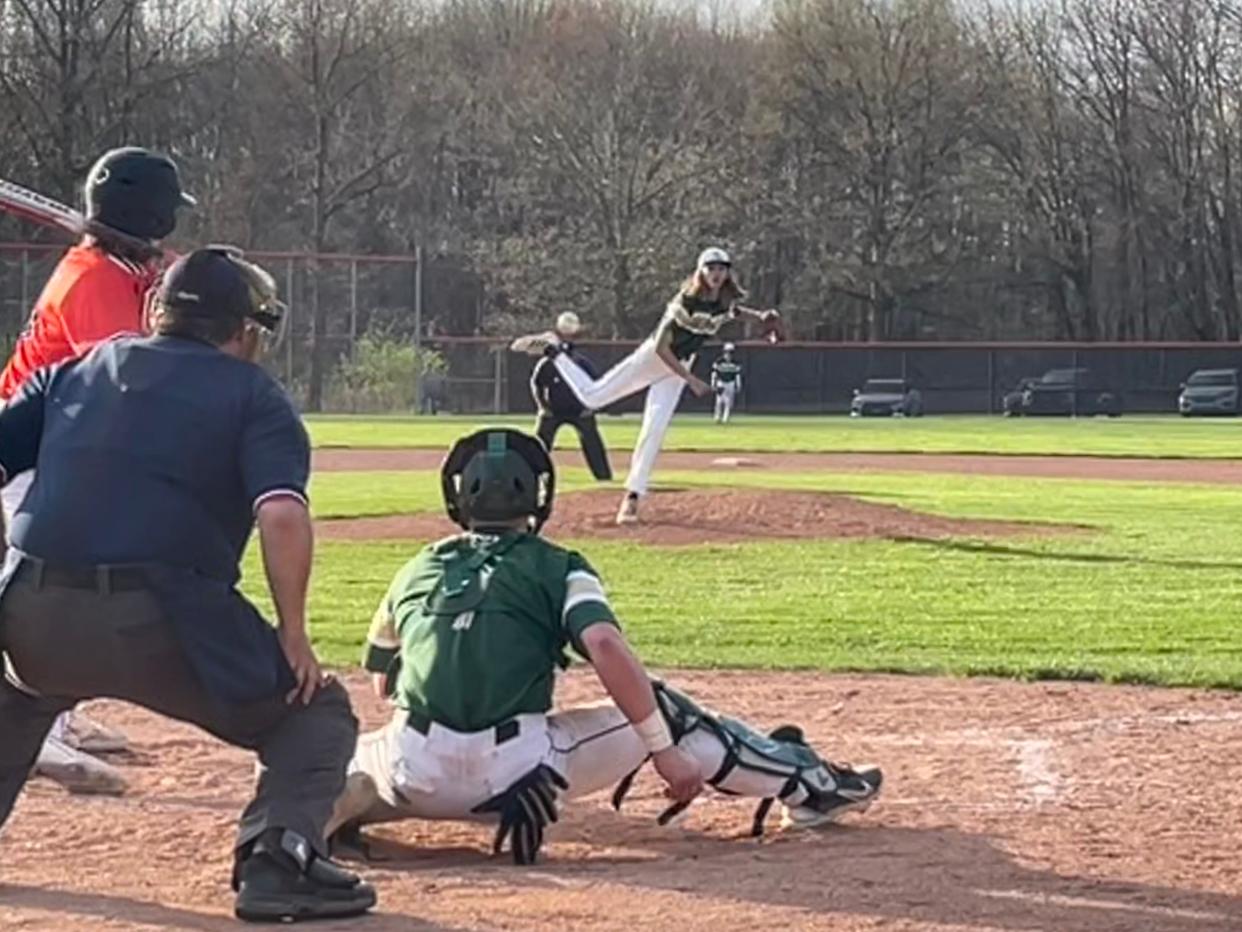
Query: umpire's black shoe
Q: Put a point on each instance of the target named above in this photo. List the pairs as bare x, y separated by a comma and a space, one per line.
283, 880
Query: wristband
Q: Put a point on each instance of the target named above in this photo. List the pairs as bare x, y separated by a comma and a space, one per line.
653, 731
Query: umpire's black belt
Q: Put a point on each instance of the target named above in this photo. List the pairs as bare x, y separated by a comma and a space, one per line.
102, 579
505, 731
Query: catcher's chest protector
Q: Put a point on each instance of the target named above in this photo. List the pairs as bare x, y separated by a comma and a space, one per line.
462, 587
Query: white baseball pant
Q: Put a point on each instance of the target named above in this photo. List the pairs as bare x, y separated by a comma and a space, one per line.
445, 774
643, 368
725, 397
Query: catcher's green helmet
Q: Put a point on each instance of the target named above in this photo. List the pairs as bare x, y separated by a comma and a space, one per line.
495, 475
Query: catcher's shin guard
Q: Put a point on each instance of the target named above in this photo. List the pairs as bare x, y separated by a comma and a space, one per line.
780, 766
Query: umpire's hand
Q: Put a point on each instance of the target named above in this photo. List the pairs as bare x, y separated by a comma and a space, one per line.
303, 663
288, 542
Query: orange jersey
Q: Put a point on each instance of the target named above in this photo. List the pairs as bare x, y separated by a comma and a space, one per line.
92, 296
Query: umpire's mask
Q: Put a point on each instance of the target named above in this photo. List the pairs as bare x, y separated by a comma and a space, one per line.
496, 475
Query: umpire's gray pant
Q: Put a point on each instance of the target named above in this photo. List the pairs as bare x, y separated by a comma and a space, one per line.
64, 645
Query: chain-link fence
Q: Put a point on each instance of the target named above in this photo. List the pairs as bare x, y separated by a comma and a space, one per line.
958, 378
393, 297
356, 294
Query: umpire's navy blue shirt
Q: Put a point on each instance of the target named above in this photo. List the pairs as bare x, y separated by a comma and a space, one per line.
550, 391
150, 450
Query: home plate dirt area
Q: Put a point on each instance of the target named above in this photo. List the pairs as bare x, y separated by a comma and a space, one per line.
1008, 806
1065, 807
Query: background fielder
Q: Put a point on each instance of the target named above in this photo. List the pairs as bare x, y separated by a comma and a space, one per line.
468, 640
726, 383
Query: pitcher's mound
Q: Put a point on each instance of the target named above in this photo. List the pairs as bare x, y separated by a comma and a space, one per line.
697, 516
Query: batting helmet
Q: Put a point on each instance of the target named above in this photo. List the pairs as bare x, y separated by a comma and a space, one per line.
496, 475
135, 191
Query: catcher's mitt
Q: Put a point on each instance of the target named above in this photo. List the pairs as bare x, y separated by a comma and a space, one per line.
774, 330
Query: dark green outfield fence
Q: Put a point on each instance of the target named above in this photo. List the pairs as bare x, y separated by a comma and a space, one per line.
361, 292
819, 378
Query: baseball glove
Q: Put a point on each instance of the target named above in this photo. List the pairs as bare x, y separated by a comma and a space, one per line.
774, 330
526, 809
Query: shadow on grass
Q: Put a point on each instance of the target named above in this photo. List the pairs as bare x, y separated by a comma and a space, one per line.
1053, 556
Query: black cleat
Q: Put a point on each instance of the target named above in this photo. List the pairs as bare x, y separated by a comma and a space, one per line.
283, 880
856, 789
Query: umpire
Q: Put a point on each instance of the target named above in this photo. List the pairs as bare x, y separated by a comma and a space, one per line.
154, 458
558, 404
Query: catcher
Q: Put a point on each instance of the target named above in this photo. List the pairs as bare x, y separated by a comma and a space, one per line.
467, 643
663, 364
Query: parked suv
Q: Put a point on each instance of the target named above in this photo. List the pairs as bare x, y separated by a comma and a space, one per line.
1062, 392
886, 398
1209, 391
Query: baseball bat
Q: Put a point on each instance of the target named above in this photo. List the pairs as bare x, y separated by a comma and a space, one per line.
38, 208
46, 211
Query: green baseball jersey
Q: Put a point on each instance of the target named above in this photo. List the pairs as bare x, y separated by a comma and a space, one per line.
726, 371
475, 626
693, 320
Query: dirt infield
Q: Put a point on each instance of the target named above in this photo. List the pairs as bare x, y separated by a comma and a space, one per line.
674, 517
1228, 472
1008, 806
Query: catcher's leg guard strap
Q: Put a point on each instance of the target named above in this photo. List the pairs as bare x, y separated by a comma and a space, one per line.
743, 761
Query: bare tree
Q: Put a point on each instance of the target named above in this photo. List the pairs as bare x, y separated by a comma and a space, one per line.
344, 122
885, 91
75, 73
614, 124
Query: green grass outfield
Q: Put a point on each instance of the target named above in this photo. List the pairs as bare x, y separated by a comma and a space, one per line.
1125, 436
1151, 592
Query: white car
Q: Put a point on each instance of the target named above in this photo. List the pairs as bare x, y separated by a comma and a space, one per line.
886, 398
1209, 391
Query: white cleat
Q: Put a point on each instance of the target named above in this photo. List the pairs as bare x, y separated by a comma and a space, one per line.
534, 344
628, 512
78, 772
857, 788
92, 737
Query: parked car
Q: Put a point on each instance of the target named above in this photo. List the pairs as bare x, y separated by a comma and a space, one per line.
1209, 391
1063, 392
886, 398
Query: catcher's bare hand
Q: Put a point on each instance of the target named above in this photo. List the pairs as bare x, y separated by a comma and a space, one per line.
698, 386
304, 664
681, 773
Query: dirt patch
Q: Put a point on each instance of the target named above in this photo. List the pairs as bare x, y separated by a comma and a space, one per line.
1228, 472
683, 517
1007, 806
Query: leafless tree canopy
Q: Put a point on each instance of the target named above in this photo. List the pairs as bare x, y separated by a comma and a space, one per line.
883, 169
